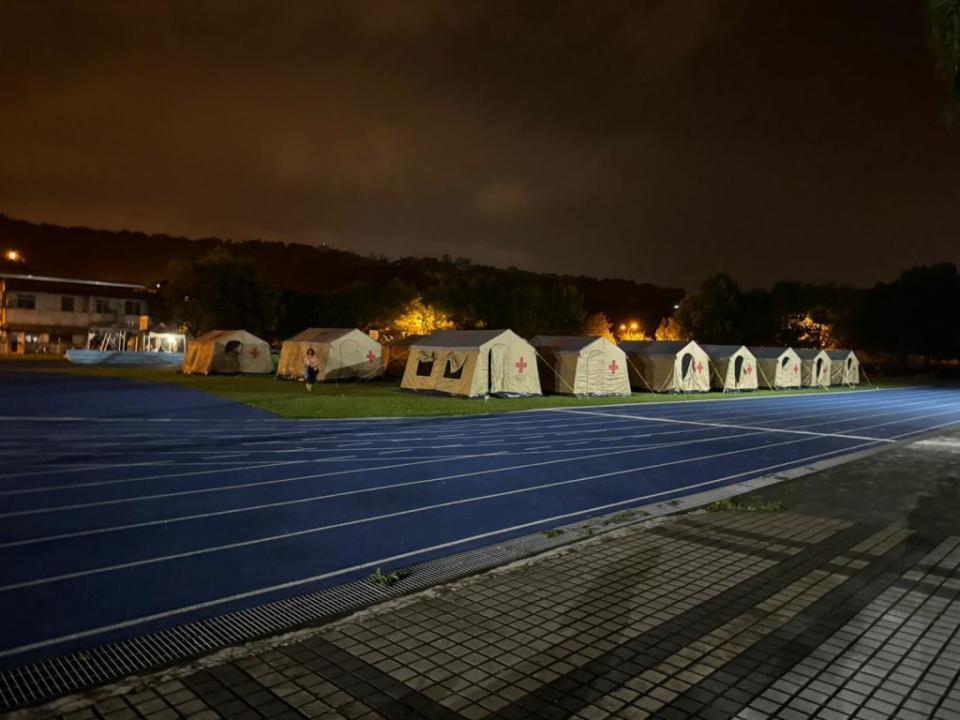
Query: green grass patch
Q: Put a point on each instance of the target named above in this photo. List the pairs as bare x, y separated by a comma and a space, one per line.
387, 579
377, 398
758, 505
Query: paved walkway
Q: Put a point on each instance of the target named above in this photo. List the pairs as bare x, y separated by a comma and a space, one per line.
730, 614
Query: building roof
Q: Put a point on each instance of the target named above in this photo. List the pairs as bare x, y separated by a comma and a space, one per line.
73, 286
564, 342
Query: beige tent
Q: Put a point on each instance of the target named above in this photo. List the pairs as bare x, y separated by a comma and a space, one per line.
395, 355
777, 367
732, 367
844, 367
814, 367
227, 351
581, 365
667, 366
472, 363
342, 354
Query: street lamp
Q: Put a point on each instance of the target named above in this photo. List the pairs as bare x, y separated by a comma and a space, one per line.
13, 256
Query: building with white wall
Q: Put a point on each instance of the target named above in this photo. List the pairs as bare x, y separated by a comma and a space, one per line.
40, 314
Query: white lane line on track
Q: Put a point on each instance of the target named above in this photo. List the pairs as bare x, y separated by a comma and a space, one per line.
376, 518
327, 496
727, 426
357, 470
133, 622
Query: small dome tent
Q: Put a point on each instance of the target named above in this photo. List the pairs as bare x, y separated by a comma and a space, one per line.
395, 355
680, 366
226, 352
844, 367
734, 367
472, 363
581, 365
777, 367
814, 367
342, 354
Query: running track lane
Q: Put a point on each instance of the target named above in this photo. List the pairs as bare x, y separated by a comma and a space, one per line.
115, 526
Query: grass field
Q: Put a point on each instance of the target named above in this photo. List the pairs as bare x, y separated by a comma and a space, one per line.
379, 398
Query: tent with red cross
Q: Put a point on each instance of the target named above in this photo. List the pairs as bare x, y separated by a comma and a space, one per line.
680, 366
342, 354
732, 367
227, 352
777, 367
844, 367
815, 367
574, 365
472, 363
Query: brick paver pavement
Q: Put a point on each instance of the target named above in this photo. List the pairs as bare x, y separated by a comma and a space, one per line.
738, 614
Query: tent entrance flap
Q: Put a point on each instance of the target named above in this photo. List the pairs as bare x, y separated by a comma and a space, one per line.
497, 369
819, 369
737, 369
685, 363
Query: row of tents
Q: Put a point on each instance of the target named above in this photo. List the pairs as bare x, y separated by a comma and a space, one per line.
476, 363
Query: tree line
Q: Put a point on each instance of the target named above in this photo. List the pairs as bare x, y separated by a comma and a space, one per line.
912, 315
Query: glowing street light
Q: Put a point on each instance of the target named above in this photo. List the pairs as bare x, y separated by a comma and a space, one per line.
13, 256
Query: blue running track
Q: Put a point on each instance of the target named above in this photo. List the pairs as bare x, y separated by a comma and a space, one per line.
128, 507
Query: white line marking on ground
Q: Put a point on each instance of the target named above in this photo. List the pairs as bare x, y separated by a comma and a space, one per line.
385, 516
390, 559
725, 425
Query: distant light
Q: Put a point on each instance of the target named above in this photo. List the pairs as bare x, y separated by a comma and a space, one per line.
634, 325
622, 326
677, 306
13, 256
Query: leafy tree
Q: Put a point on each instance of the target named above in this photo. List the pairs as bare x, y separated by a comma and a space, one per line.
943, 23
220, 291
598, 325
713, 313
671, 329
416, 318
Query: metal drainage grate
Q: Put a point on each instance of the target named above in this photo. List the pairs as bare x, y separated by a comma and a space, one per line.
58, 676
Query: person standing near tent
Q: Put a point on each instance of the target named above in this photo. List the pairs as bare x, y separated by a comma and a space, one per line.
311, 369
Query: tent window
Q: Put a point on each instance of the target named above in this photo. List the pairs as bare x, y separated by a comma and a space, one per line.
784, 363
685, 364
234, 346
737, 368
849, 363
425, 364
453, 367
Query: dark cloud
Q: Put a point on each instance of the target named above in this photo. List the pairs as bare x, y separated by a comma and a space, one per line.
659, 139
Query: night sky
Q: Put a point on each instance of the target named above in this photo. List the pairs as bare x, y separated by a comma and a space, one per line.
660, 140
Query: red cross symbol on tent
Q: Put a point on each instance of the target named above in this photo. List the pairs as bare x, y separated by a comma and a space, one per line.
748, 369
796, 369
254, 353
370, 356
699, 368
520, 364
613, 367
